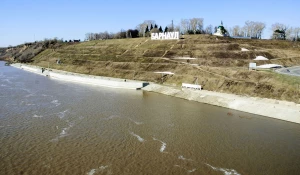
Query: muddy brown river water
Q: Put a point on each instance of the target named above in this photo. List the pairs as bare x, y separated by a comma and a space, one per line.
55, 127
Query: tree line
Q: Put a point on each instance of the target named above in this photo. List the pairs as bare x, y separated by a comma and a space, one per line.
253, 29
283, 32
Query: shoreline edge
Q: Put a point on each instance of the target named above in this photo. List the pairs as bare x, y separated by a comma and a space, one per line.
277, 109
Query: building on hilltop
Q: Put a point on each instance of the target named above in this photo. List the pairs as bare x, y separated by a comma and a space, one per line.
221, 31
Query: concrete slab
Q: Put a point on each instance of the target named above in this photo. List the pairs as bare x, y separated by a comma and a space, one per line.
85, 79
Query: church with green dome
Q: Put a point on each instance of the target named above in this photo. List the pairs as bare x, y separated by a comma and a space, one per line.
221, 31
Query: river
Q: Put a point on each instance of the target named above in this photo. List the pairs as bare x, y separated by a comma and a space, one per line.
54, 127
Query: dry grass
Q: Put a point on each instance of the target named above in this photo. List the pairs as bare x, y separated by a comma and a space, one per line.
222, 64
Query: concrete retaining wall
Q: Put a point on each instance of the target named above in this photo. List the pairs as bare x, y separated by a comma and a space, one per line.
94, 80
85, 79
283, 110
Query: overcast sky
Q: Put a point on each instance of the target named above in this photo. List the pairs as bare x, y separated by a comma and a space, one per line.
29, 20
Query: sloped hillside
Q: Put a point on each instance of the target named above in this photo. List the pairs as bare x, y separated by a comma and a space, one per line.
24, 53
219, 63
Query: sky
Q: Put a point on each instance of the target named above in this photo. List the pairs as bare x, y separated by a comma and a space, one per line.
31, 20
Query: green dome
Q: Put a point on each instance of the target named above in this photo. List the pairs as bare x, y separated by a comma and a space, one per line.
220, 27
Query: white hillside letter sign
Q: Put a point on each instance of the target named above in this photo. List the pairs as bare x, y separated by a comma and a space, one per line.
165, 36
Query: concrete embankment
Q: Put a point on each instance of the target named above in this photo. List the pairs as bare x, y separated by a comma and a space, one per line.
85, 79
282, 110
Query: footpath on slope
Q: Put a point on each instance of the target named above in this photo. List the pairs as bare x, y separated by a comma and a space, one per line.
282, 110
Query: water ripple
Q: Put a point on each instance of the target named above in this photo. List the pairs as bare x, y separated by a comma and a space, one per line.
137, 123
93, 171
138, 137
163, 146
183, 158
189, 171
224, 170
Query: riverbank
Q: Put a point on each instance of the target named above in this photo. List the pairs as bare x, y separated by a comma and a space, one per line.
67, 128
282, 110
82, 78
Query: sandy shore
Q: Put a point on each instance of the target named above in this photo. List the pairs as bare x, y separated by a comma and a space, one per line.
282, 110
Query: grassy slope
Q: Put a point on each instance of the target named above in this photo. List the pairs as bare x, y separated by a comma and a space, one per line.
223, 67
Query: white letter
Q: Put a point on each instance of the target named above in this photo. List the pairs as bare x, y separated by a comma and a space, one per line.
160, 35
156, 36
168, 35
172, 35
152, 36
176, 35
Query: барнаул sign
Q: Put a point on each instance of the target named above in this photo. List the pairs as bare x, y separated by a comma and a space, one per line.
165, 36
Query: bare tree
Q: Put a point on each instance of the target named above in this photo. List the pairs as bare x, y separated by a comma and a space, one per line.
209, 29
248, 28
177, 28
142, 27
97, 36
200, 24
120, 35
236, 31
260, 27
196, 24
171, 27
104, 35
89, 36
293, 33
297, 33
251, 29
149, 22
184, 25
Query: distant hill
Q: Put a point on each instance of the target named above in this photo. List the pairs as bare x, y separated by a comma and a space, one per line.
24, 53
2, 50
218, 62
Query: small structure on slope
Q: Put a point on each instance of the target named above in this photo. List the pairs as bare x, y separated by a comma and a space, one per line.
192, 86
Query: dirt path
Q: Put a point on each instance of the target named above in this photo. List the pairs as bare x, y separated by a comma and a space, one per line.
293, 71
134, 47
